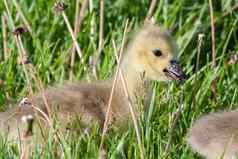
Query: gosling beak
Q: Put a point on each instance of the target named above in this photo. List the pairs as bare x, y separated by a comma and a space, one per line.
175, 72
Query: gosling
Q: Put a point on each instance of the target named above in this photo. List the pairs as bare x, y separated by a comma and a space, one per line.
151, 53
216, 135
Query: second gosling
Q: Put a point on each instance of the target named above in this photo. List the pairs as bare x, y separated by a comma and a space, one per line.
215, 135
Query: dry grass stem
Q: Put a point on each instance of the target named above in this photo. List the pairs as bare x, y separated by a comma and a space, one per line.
44, 114
28, 73
60, 7
213, 84
101, 38
133, 115
73, 37
76, 24
21, 55
125, 88
40, 87
92, 30
79, 16
200, 43
175, 120
92, 22
24, 53
213, 34
106, 122
199, 47
78, 49
23, 154
72, 57
151, 10
108, 113
31, 70
4, 35
9, 14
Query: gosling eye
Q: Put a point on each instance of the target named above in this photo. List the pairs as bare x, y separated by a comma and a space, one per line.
157, 52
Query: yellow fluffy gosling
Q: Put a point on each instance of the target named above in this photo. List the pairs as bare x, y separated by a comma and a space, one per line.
152, 53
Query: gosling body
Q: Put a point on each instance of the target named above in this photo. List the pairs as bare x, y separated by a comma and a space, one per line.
152, 53
215, 135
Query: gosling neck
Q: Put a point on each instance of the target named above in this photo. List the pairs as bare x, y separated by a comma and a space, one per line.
133, 78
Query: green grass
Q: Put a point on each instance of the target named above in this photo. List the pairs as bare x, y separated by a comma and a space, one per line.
49, 52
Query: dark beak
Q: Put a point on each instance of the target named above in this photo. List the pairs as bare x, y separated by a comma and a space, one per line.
175, 72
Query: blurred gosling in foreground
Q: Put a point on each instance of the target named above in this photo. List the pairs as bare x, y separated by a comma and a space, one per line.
215, 136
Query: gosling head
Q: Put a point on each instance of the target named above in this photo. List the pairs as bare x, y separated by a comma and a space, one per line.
154, 53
